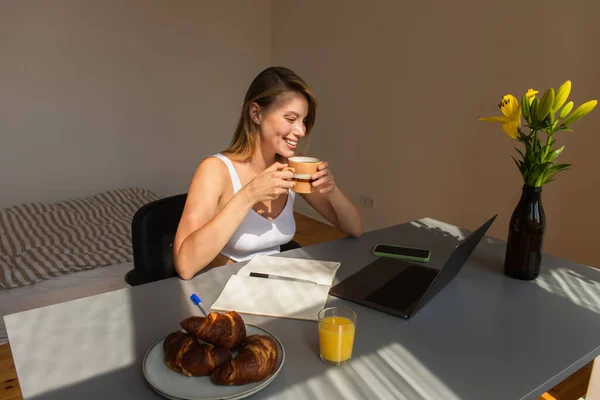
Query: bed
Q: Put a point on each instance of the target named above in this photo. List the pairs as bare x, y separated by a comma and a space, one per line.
51, 253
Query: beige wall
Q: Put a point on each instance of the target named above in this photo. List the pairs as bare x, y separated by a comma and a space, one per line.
401, 85
103, 94
96, 95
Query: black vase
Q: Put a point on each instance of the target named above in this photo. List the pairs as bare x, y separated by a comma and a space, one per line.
525, 236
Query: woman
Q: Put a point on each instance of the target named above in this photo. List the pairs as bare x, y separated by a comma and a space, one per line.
239, 203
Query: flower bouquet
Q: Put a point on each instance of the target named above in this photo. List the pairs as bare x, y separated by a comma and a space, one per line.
537, 164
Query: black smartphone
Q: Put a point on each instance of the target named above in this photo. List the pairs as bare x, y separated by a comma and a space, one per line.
401, 252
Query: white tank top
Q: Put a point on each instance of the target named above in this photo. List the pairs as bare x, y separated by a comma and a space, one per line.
257, 235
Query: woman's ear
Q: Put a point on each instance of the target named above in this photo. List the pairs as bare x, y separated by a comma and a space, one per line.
255, 113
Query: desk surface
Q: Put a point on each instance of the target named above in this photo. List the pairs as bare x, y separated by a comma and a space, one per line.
485, 336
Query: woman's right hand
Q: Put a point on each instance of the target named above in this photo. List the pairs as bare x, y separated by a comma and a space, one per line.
270, 184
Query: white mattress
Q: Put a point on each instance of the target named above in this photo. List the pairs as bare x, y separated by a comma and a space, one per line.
60, 289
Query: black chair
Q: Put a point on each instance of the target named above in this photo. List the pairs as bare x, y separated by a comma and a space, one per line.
291, 245
152, 234
153, 231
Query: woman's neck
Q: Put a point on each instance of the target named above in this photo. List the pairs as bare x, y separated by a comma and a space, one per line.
262, 159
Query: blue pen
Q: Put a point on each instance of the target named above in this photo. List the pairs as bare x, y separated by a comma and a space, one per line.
199, 303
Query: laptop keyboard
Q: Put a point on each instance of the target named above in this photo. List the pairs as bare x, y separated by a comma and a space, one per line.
404, 289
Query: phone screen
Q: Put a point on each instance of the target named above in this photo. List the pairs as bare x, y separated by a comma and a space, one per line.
401, 251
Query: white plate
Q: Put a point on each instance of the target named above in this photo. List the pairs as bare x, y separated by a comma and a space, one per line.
173, 385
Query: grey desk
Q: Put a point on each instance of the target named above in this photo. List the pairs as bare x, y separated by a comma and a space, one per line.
485, 336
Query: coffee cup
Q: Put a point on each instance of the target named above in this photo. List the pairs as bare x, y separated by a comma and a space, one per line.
303, 168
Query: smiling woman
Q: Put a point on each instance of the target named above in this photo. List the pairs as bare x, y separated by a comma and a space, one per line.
239, 203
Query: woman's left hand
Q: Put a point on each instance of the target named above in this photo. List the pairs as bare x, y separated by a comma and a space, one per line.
323, 179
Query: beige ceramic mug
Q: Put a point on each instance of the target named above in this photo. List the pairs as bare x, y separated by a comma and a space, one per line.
303, 168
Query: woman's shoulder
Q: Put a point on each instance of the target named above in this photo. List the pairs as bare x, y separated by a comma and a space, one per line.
222, 160
211, 169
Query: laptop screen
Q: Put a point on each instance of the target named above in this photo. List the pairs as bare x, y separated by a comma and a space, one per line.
405, 289
459, 256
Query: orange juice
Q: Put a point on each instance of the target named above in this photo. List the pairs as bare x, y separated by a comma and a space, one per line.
336, 338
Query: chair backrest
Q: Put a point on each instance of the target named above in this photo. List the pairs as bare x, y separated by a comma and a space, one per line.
152, 234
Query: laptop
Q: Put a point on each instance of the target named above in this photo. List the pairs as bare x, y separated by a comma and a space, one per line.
402, 288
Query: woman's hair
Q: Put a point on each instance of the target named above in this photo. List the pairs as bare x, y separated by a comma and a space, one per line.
264, 90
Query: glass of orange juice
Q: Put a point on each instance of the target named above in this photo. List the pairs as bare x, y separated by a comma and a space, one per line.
336, 335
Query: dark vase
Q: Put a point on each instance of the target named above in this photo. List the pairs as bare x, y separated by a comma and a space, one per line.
525, 236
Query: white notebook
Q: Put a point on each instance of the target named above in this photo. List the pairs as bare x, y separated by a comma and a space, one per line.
275, 297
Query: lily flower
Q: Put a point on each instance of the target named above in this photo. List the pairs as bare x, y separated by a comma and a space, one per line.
511, 110
531, 94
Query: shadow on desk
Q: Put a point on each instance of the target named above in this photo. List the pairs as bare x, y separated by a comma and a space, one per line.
393, 358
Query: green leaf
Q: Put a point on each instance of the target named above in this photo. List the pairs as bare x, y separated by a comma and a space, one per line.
540, 168
550, 177
540, 157
538, 143
548, 146
519, 164
528, 153
545, 105
538, 171
559, 167
566, 110
555, 153
528, 148
521, 153
563, 127
540, 180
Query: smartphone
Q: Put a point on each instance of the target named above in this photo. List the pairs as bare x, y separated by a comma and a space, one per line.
401, 252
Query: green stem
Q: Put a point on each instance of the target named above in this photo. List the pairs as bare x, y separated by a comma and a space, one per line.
547, 147
534, 157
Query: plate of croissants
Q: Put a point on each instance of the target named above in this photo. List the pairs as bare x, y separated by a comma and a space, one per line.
214, 357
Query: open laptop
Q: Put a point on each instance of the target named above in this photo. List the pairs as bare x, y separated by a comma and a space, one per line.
402, 288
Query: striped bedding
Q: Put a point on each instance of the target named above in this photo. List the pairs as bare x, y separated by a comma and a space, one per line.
39, 241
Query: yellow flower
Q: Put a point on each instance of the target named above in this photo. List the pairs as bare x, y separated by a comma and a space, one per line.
531, 94
512, 114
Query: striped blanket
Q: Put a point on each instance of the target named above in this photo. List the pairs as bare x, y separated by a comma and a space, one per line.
39, 241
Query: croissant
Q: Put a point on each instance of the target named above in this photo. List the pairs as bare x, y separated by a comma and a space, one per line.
184, 354
256, 360
220, 330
